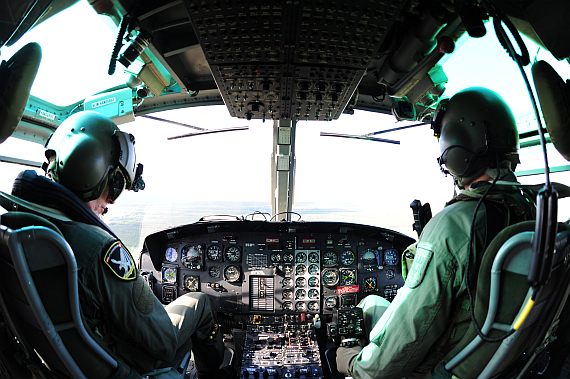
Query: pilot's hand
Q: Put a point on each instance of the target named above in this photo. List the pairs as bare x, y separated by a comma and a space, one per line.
344, 357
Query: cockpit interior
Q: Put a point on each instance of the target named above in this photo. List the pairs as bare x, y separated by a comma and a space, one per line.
285, 289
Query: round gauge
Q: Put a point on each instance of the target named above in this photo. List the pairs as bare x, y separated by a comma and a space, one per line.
300, 294
331, 301
313, 281
287, 294
232, 254
275, 257
390, 257
314, 257
300, 306
300, 270
300, 282
192, 257
232, 273
301, 257
287, 269
287, 306
347, 277
330, 277
347, 258
287, 282
313, 306
330, 258
192, 283
288, 257
169, 275
369, 284
370, 258
171, 254
214, 271
313, 294
313, 269
390, 274
214, 253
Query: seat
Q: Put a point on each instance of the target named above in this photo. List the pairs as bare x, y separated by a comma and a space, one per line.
502, 305
40, 303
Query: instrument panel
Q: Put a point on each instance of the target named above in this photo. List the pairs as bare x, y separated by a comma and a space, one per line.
257, 267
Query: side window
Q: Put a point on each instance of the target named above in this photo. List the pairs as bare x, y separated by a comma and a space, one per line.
18, 155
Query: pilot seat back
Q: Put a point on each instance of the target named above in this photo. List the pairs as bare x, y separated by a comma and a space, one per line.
501, 297
40, 303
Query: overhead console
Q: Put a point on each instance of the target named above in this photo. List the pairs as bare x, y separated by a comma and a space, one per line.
259, 267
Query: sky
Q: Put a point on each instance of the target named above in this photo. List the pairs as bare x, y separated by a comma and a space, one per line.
380, 178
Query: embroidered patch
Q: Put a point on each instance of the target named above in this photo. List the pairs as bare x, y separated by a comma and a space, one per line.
120, 262
419, 268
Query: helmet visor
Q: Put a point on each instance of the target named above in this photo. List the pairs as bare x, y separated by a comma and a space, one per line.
116, 182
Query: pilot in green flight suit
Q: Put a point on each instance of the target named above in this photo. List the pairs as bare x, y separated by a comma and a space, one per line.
92, 158
407, 338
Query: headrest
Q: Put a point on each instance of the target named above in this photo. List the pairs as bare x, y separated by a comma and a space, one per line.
554, 96
16, 79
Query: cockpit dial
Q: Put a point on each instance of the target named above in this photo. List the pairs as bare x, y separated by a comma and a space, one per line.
287, 294
214, 253
331, 302
300, 306
370, 259
275, 257
347, 258
300, 294
313, 294
313, 257
330, 277
169, 275
287, 282
232, 254
232, 273
214, 271
192, 283
300, 270
301, 257
313, 306
313, 281
313, 269
391, 257
192, 257
370, 284
330, 258
347, 277
288, 257
287, 306
171, 255
300, 282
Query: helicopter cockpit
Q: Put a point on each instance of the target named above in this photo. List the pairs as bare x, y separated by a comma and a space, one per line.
269, 186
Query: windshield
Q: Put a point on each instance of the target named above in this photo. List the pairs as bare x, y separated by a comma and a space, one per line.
229, 173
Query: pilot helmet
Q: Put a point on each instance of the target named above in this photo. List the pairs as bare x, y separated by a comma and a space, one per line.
476, 128
87, 152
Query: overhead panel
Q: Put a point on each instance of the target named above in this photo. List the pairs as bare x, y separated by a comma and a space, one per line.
299, 60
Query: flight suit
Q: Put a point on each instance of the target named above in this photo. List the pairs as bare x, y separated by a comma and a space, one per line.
116, 301
128, 316
413, 333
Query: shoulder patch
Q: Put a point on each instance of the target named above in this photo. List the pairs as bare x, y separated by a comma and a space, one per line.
419, 267
120, 261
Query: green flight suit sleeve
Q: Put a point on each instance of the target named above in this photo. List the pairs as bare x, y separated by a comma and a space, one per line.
133, 315
421, 312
